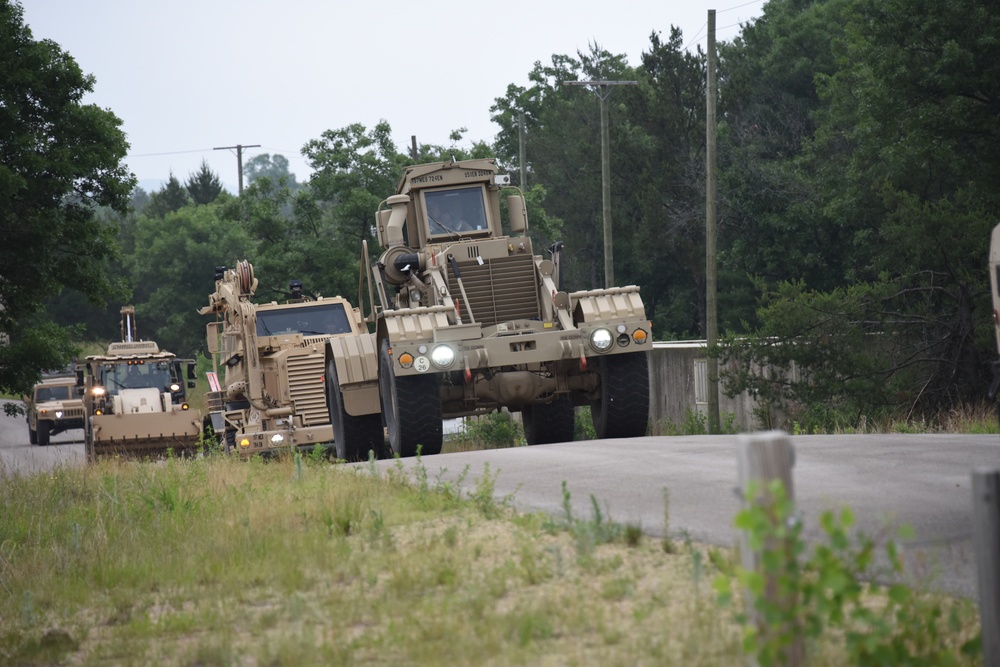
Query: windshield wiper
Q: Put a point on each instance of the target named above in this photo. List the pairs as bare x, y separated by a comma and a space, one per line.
443, 226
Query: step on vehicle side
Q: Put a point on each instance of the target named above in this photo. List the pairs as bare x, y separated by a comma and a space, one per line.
135, 399
53, 407
271, 356
469, 320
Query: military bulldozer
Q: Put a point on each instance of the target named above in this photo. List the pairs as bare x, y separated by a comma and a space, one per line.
469, 320
271, 357
135, 399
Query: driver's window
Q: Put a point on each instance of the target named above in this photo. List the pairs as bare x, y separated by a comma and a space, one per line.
455, 211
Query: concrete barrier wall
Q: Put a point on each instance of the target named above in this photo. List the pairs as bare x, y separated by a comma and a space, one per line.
678, 386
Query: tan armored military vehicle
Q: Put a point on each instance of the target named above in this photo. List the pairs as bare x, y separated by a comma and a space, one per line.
271, 356
469, 320
135, 399
53, 407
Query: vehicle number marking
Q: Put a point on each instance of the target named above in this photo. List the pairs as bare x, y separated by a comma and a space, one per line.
421, 364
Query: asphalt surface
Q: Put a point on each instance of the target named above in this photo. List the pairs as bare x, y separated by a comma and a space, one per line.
922, 481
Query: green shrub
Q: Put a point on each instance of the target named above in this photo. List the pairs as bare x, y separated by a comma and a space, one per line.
495, 430
830, 591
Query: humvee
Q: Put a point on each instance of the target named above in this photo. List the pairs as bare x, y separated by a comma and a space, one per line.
53, 407
469, 320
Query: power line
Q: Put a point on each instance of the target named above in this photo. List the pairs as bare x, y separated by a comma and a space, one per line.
199, 150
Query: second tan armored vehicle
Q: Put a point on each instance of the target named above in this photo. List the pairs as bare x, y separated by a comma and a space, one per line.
468, 320
270, 394
53, 407
135, 399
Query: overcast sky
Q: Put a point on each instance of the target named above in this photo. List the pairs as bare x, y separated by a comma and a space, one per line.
187, 76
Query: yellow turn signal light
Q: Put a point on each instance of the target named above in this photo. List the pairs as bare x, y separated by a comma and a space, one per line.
185, 406
244, 443
406, 360
639, 336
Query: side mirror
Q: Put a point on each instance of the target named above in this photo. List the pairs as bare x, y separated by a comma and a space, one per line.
518, 214
213, 332
190, 384
191, 375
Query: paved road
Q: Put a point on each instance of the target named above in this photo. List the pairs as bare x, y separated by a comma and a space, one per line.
923, 481
16, 455
920, 480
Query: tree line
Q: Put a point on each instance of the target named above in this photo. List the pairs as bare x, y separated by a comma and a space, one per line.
857, 177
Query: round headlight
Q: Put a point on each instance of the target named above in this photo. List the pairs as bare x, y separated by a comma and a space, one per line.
59, 414
98, 391
174, 386
442, 356
601, 339
277, 439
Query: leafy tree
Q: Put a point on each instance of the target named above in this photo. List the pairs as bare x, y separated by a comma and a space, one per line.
292, 237
908, 145
173, 270
355, 169
204, 186
61, 160
665, 191
274, 167
772, 222
171, 197
563, 130
887, 192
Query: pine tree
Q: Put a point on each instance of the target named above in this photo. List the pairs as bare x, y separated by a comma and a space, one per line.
204, 186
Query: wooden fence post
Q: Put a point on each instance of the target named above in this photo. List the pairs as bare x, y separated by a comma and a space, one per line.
763, 458
986, 537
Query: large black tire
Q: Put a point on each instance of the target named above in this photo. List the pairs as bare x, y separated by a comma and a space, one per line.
32, 435
411, 408
546, 423
354, 435
622, 411
43, 432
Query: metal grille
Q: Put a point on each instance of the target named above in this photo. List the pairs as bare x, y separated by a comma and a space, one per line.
499, 290
305, 384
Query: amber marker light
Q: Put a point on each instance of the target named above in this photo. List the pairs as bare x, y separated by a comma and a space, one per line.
406, 360
639, 336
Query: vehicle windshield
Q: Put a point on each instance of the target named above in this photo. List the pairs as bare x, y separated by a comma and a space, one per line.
451, 212
313, 320
57, 393
136, 375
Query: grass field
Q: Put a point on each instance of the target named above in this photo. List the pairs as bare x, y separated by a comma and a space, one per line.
297, 561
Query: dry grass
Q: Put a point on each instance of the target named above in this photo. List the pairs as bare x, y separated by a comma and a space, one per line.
221, 562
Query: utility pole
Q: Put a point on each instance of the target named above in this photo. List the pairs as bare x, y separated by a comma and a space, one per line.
603, 90
239, 159
711, 277
521, 152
